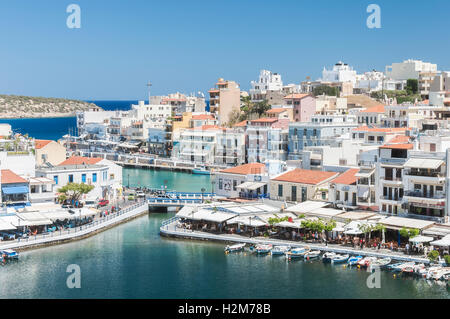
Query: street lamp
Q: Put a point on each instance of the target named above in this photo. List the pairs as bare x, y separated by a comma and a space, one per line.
203, 190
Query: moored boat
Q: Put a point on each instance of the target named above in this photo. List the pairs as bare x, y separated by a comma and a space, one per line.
263, 249
381, 262
328, 257
297, 252
280, 250
339, 259
366, 261
354, 260
312, 254
441, 274
234, 248
9, 254
201, 171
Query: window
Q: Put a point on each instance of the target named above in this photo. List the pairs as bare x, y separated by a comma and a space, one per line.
70, 178
234, 185
94, 177
280, 190
220, 183
55, 178
83, 178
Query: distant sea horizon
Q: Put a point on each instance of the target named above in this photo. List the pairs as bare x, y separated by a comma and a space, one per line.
54, 128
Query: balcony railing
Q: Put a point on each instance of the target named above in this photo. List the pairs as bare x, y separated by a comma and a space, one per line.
438, 195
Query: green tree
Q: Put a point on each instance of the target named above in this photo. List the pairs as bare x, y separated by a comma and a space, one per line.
261, 107
74, 191
409, 232
412, 86
327, 90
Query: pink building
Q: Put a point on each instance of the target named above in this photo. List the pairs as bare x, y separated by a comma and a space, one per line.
304, 106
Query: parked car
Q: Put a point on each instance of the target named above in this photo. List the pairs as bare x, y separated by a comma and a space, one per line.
103, 203
131, 197
140, 194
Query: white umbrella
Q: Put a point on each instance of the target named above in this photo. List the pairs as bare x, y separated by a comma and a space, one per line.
421, 239
353, 232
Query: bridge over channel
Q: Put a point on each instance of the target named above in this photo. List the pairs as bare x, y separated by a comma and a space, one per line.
178, 199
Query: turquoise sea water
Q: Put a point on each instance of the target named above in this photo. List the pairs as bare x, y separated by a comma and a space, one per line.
133, 261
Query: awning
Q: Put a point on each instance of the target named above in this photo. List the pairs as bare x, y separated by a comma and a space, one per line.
61, 215
423, 163
325, 212
33, 219
442, 242
365, 173
252, 221
306, 207
296, 223
421, 239
213, 216
397, 223
251, 185
8, 190
4, 225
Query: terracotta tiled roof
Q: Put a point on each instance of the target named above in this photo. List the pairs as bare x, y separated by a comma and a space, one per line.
347, 178
425, 102
207, 127
305, 176
41, 143
374, 109
296, 96
276, 110
9, 177
241, 124
251, 168
399, 139
79, 160
406, 146
203, 117
264, 120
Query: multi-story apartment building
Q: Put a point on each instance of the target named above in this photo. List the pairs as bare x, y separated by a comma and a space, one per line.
230, 148
224, 99
267, 140
440, 90
304, 106
341, 72
424, 180
180, 102
321, 130
392, 158
409, 69
371, 115
197, 145
267, 81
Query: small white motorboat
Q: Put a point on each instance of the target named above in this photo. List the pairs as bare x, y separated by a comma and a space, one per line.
297, 252
441, 274
366, 261
280, 250
311, 254
263, 249
381, 262
339, 259
234, 248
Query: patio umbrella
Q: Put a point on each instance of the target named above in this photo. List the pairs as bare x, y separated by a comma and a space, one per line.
353, 232
421, 239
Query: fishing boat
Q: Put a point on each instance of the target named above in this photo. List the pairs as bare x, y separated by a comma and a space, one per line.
201, 171
297, 252
354, 260
339, 259
433, 271
311, 254
366, 261
381, 262
425, 270
263, 249
328, 257
9, 254
234, 248
408, 269
280, 250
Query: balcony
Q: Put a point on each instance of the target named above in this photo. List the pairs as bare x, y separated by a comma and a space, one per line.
391, 180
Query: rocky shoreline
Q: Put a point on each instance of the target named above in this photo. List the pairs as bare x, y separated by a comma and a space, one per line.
18, 107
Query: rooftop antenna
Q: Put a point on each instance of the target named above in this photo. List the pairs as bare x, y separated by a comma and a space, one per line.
149, 84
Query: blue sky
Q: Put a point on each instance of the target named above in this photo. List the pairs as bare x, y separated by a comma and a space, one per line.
187, 45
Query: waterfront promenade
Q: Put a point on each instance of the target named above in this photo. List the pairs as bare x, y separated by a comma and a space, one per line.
169, 229
97, 225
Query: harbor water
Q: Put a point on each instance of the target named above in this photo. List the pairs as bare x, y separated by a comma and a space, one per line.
132, 260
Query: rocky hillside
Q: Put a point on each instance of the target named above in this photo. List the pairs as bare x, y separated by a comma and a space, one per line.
16, 106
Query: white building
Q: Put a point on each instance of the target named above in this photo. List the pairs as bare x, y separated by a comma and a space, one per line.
341, 72
409, 69
267, 81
